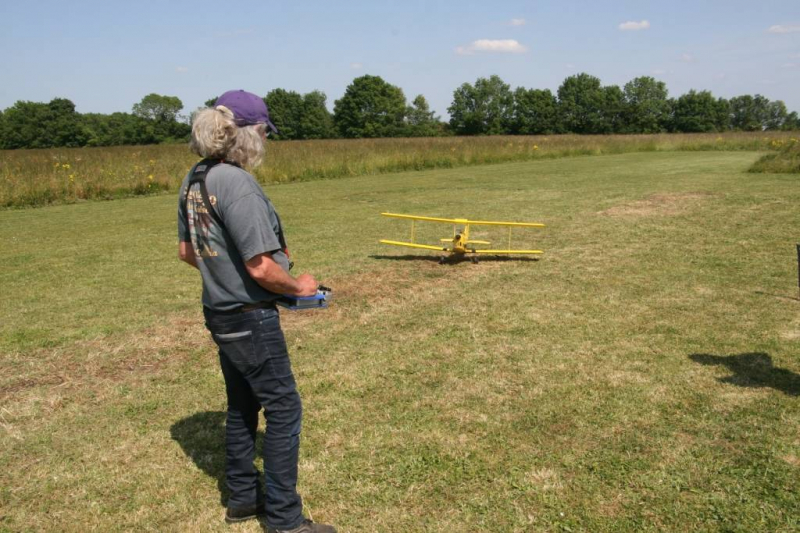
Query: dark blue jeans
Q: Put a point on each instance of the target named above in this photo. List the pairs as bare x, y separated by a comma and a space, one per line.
255, 363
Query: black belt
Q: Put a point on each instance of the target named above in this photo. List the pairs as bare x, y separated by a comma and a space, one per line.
246, 308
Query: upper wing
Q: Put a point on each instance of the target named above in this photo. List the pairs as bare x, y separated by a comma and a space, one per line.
464, 221
493, 223
427, 219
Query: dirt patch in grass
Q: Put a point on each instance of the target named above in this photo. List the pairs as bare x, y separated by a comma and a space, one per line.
96, 363
660, 204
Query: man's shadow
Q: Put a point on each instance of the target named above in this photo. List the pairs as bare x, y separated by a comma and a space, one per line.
202, 438
753, 370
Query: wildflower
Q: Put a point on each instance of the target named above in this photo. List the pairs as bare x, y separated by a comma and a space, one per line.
152, 161
72, 178
150, 177
65, 166
535, 147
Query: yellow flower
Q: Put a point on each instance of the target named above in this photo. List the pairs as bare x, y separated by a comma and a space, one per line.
150, 177
65, 166
535, 147
72, 178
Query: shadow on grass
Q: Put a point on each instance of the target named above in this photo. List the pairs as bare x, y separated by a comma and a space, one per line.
452, 261
754, 370
202, 438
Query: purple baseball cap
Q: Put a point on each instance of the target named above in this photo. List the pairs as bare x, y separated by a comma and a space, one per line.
248, 108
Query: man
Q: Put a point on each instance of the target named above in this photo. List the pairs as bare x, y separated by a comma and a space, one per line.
229, 230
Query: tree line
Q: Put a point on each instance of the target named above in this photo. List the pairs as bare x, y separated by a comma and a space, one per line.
372, 107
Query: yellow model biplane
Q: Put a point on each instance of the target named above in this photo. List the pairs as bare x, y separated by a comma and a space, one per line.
459, 245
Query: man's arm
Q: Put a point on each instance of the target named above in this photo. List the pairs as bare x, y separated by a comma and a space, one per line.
186, 253
269, 274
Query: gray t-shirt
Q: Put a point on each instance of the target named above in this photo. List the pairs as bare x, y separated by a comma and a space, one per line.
251, 228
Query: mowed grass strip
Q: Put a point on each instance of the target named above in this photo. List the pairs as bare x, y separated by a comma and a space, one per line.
642, 376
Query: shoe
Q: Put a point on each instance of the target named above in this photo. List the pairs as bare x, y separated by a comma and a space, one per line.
307, 526
235, 515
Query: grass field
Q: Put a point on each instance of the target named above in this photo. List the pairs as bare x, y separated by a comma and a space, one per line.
642, 376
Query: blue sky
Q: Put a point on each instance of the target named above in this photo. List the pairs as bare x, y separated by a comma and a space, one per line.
106, 55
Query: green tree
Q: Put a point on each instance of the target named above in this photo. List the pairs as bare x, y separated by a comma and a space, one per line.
39, 125
65, 124
723, 115
697, 112
744, 114
117, 129
158, 108
613, 112
749, 113
422, 122
535, 112
286, 112
211, 101
316, 121
486, 108
161, 114
776, 115
582, 104
792, 122
370, 107
646, 105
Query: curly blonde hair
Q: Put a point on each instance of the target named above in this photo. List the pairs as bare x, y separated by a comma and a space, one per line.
216, 135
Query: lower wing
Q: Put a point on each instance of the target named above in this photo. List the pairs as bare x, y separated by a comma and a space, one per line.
506, 251
415, 245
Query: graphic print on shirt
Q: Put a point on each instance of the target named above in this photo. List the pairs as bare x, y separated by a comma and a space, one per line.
202, 228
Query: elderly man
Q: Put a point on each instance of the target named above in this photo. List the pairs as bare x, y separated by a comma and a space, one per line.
229, 230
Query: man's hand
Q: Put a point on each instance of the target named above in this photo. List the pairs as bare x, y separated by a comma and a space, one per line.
307, 285
267, 273
186, 253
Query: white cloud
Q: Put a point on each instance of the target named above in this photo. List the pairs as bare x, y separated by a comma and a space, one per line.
660, 72
687, 58
182, 69
790, 65
356, 66
634, 26
507, 46
783, 28
517, 22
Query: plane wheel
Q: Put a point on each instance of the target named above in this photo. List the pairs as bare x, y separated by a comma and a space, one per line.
442, 260
474, 260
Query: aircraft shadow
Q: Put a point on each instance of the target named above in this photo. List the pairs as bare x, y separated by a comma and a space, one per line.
202, 438
753, 370
438, 259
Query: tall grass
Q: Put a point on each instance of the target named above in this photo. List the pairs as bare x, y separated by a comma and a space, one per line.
786, 159
41, 177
